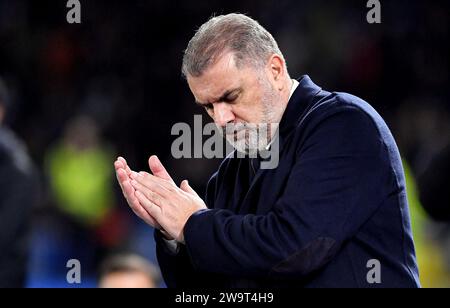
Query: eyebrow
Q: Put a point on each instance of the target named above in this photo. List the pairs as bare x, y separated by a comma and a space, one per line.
223, 97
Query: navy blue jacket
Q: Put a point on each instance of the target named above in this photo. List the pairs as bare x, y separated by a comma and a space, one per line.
336, 201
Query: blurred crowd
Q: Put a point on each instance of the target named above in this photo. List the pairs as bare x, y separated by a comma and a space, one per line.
82, 94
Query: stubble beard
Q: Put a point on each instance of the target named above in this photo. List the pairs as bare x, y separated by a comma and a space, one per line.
253, 138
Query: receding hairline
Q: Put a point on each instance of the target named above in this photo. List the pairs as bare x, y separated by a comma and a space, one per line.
238, 63
249, 42
227, 53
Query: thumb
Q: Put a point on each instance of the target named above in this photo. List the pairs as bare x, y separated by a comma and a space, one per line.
158, 169
186, 188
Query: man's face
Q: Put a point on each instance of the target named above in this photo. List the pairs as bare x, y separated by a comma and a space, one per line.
240, 99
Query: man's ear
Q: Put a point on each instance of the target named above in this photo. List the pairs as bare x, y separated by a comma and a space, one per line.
276, 70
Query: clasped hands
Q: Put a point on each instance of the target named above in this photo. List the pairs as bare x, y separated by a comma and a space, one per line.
156, 199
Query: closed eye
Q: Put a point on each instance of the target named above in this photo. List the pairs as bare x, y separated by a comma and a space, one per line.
231, 98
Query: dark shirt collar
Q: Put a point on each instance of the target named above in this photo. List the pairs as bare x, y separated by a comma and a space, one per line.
298, 103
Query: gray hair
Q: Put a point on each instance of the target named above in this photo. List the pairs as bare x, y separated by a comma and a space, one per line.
237, 33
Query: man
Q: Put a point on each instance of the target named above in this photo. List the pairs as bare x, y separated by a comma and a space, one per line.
128, 271
333, 213
18, 189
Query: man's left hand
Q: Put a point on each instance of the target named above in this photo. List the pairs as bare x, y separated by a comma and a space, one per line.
169, 205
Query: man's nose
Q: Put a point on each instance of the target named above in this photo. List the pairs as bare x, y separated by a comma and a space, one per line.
223, 114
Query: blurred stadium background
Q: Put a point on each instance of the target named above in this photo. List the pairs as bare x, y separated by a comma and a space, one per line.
83, 94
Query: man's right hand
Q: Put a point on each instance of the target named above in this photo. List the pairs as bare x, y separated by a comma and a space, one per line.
123, 173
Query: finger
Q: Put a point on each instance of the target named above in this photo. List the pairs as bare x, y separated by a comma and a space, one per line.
136, 207
148, 193
167, 184
118, 165
150, 207
128, 191
122, 176
125, 164
122, 160
158, 169
145, 216
186, 188
155, 184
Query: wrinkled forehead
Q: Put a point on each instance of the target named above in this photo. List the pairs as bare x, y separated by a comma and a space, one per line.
216, 79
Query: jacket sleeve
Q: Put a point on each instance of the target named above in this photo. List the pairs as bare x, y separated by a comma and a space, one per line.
176, 268
331, 191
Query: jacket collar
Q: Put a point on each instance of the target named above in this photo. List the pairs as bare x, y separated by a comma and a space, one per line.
298, 104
